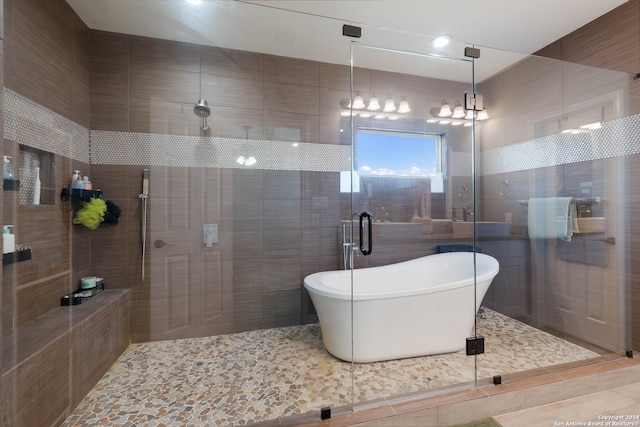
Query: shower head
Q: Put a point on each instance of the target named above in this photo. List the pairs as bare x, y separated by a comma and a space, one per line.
201, 109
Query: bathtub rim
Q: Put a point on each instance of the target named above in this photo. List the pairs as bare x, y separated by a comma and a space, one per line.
313, 284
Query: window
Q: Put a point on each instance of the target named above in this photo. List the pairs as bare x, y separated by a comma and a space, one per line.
400, 155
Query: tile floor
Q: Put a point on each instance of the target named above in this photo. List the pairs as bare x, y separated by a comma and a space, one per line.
262, 375
619, 406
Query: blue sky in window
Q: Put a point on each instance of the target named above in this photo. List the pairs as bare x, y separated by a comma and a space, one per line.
388, 154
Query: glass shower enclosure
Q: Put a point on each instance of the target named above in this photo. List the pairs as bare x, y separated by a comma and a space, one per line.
413, 289
391, 153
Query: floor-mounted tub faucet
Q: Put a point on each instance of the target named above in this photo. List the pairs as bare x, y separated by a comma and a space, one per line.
465, 212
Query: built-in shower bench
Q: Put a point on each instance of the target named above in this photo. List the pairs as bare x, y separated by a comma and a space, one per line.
52, 362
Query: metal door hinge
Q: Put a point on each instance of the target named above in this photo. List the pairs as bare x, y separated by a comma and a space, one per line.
351, 31
472, 52
325, 413
475, 345
473, 101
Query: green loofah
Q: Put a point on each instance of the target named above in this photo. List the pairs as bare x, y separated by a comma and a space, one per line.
91, 214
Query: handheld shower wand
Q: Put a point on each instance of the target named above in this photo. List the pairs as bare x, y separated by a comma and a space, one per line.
144, 196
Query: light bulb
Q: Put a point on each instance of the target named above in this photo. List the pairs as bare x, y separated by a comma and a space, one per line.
374, 104
458, 111
482, 115
358, 102
389, 106
404, 107
445, 109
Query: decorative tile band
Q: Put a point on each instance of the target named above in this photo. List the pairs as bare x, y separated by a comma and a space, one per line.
616, 138
126, 148
30, 124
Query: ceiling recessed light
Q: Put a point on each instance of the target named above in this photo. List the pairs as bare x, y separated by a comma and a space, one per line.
194, 1
441, 41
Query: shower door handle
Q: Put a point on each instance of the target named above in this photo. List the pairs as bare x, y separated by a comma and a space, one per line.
364, 251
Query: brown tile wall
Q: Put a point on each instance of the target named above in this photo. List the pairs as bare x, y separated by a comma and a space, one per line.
272, 219
45, 57
596, 45
282, 225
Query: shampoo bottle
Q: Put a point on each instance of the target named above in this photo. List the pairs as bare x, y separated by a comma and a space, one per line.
36, 188
76, 180
8, 240
7, 168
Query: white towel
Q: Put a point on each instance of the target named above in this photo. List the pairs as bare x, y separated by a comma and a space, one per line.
552, 217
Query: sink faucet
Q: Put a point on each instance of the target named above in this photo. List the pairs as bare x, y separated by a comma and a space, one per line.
465, 212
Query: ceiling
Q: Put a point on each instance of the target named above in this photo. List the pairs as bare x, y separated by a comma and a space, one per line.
311, 29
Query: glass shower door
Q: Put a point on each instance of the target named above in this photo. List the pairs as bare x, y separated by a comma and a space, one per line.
411, 156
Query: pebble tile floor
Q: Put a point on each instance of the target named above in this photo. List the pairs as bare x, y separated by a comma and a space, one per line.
244, 378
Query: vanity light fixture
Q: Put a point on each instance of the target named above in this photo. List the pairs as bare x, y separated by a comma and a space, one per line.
373, 107
389, 106
458, 111
445, 109
482, 115
358, 102
404, 106
374, 104
459, 116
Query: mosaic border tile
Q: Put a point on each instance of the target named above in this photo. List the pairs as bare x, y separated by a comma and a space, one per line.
127, 148
619, 137
30, 124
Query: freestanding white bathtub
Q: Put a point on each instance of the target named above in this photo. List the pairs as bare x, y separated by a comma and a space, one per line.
412, 308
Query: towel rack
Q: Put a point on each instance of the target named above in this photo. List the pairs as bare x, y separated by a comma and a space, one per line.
577, 199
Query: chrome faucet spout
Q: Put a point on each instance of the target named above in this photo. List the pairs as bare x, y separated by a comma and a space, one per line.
466, 212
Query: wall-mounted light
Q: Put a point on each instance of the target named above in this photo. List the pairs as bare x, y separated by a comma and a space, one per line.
445, 109
458, 111
456, 117
374, 105
404, 107
482, 115
389, 106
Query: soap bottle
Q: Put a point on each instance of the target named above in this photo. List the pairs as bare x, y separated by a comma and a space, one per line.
7, 168
76, 181
36, 188
87, 183
8, 240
